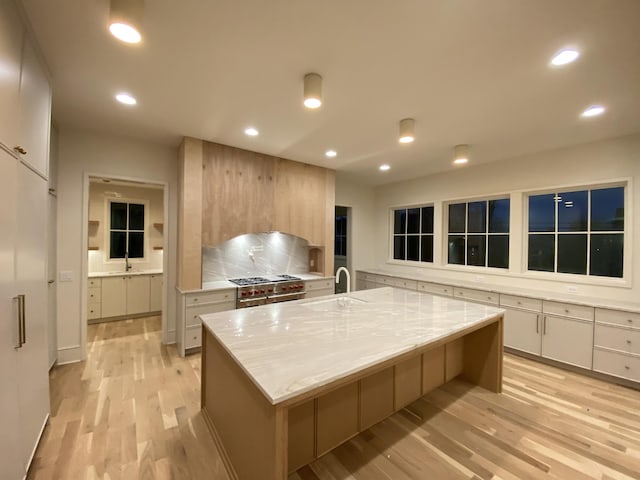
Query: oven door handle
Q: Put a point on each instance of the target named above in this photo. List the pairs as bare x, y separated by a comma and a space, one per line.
283, 296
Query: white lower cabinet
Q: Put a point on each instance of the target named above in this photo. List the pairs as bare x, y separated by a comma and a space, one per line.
155, 293
617, 343
522, 321
121, 295
114, 297
137, 294
319, 288
567, 340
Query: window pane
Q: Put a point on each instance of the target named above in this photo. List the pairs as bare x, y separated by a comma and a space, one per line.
572, 211
476, 249
427, 219
413, 247
607, 255
572, 254
541, 252
413, 220
136, 245
118, 245
426, 254
456, 249
457, 214
477, 217
118, 216
398, 247
498, 255
499, 216
542, 213
607, 209
136, 217
399, 221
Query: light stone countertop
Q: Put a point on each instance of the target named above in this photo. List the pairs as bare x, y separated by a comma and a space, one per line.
290, 348
510, 290
124, 274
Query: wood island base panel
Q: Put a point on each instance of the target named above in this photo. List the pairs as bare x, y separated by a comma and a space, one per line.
359, 360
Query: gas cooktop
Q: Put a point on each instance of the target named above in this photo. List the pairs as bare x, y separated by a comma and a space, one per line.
243, 282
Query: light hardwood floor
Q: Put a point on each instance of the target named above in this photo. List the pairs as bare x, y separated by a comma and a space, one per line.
131, 411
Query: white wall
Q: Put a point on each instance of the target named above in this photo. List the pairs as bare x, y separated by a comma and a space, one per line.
581, 165
82, 153
361, 231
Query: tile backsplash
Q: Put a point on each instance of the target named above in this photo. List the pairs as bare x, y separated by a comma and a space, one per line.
255, 254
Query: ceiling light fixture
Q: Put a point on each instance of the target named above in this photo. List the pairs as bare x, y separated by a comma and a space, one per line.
312, 90
126, 98
125, 18
407, 134
460, 154
252, 132
564, 57
384, 167
331, 153
593, 111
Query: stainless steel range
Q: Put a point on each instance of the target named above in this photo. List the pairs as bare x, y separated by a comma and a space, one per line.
253, 291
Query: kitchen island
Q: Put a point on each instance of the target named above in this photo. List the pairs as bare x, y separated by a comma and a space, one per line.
283, 384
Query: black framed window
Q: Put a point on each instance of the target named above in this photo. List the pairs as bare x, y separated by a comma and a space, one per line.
413, 234
126, 230
341, 235
479, 233
579, 232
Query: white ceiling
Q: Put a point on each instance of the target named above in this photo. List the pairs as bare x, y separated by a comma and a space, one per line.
468, 71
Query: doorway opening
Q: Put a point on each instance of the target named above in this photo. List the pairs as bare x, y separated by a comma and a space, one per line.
342, 247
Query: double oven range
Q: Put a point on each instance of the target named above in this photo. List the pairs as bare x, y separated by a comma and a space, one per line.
253, 291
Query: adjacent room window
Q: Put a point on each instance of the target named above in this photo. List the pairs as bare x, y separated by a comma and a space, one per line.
126, 230
413, 234
340, 234
479, 233
579, 232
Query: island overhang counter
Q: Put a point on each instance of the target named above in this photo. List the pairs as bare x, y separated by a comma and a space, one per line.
283, 384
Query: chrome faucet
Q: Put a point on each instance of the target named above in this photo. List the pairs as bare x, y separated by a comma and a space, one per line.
127, 265
346, 272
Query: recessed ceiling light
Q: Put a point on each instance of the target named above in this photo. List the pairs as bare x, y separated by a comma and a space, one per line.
312, 90
460, 154
125, 32
126, 98
407, 134
593, 111
384, 167
564, 57
460, 161
125, 18
252, 132
331, 153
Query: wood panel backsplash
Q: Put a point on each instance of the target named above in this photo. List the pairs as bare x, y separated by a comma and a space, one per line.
248, 192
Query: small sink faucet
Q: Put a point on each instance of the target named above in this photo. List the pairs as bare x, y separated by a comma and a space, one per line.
127, 265
346, 272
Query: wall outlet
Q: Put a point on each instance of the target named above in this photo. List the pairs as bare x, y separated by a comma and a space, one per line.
480, 278
572, 289
65, 276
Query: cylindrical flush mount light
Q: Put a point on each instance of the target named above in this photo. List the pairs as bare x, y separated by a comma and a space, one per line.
125, 20
312, 90
461, 154
407, 134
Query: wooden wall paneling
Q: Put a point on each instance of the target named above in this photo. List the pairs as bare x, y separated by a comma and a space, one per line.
408, 381
454, 359
237, 193
190, 156
337, 417
483, 356
432, 369
376, 397
301, 434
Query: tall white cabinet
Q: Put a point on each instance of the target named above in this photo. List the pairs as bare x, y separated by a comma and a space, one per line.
25, 118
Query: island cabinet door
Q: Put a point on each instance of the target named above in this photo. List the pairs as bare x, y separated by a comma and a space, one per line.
337, 417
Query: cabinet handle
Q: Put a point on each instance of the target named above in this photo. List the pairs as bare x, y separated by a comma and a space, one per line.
20, 150
628, 342
537, 323
629, 320
544, 325
627, 367
22, 334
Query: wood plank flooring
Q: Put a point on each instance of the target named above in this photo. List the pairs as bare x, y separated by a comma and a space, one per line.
131, 411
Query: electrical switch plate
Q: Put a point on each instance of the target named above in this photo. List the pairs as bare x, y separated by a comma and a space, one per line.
572, 289
65, 276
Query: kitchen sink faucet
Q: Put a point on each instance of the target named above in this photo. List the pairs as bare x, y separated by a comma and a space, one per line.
346, 272
127, 265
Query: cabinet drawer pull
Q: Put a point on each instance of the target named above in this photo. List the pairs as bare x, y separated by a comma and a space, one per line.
544, 325
627, 367
628, 342
537, 323
519, 302
20, 150
566, 310
195, 299
446, 290
629, 320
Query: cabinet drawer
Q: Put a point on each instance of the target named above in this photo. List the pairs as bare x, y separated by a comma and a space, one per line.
618, 317
525, 303
618, 364
210, 297
193, 337
94, 294
623, 339
368, 277
324, 284
93, 311
435, 288
404, 283
95, 282
193, 312
476, 295
568, 310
